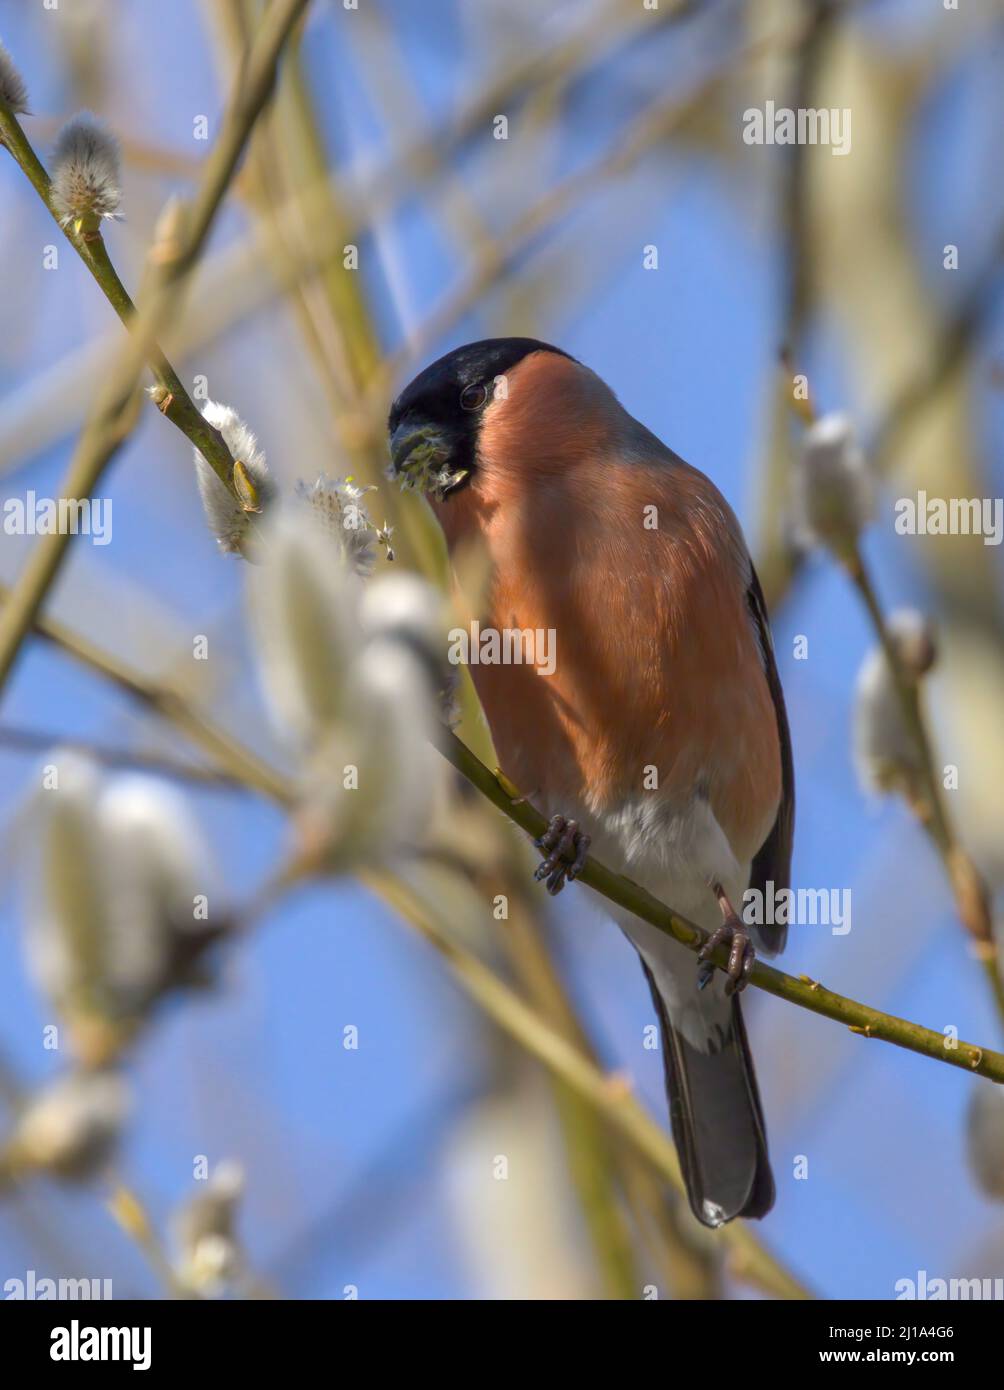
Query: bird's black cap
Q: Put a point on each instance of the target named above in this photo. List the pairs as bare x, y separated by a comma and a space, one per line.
435, 393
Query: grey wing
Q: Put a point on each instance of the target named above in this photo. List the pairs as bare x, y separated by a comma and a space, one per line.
772, 863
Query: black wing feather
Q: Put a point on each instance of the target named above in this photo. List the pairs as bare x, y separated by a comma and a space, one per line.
773, 860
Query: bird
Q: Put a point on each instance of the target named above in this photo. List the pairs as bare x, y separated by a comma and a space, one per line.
660, 740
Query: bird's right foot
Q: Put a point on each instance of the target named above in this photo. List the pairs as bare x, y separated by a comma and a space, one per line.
733, 935
565, 847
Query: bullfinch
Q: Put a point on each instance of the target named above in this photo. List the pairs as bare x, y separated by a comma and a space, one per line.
660, 735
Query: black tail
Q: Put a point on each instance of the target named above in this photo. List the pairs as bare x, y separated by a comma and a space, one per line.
717, 1122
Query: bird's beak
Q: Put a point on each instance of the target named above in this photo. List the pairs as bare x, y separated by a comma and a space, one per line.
409, 438
420, 459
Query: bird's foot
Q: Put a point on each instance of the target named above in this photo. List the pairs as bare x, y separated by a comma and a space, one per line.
565, 848
733, 934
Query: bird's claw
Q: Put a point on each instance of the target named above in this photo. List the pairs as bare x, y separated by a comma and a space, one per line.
565, 848
742, 956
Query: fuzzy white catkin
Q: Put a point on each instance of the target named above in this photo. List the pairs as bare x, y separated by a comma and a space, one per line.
70, 1127
303, 602
404, 605
12, 88
387, 736
121, 865
155, 868
406, 608
339, 509
885, 752
203, 1229
395, 687
350, 674
212, 1208
227, 519
833, 488
86, 178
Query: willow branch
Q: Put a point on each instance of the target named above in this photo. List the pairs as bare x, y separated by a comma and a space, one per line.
304, 211
172, 261
124, 1205
495, 258
105, 433
598, 39
804, 992
182, 411
749, 1260
950, 353
132, 1216
594, 1162
251, 92
776, 557
969, 889
608, 1095
38, 741
235, 760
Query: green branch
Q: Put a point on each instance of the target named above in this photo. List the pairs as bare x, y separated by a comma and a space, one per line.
610, 1096
105, 433
252, 90
806, 993
175, 402
969, 889
182, 235
246, 767
33, 741
749, 1259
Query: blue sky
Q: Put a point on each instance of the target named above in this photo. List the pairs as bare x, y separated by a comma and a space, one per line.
360, 1142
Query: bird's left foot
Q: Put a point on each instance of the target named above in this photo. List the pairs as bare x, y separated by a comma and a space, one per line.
733, 934
565, 848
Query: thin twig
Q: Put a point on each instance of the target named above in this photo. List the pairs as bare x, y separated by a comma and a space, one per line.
970, 890
750, 1262
130, 1214
172, 262
236, 761
496, 258
38, 741
252, 90
94, 254
803, 992
806, 993
104, 434
609, 1096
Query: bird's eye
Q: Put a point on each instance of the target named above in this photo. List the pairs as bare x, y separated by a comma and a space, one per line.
473, 397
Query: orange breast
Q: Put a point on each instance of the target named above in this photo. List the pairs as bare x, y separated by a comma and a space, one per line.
657, 666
